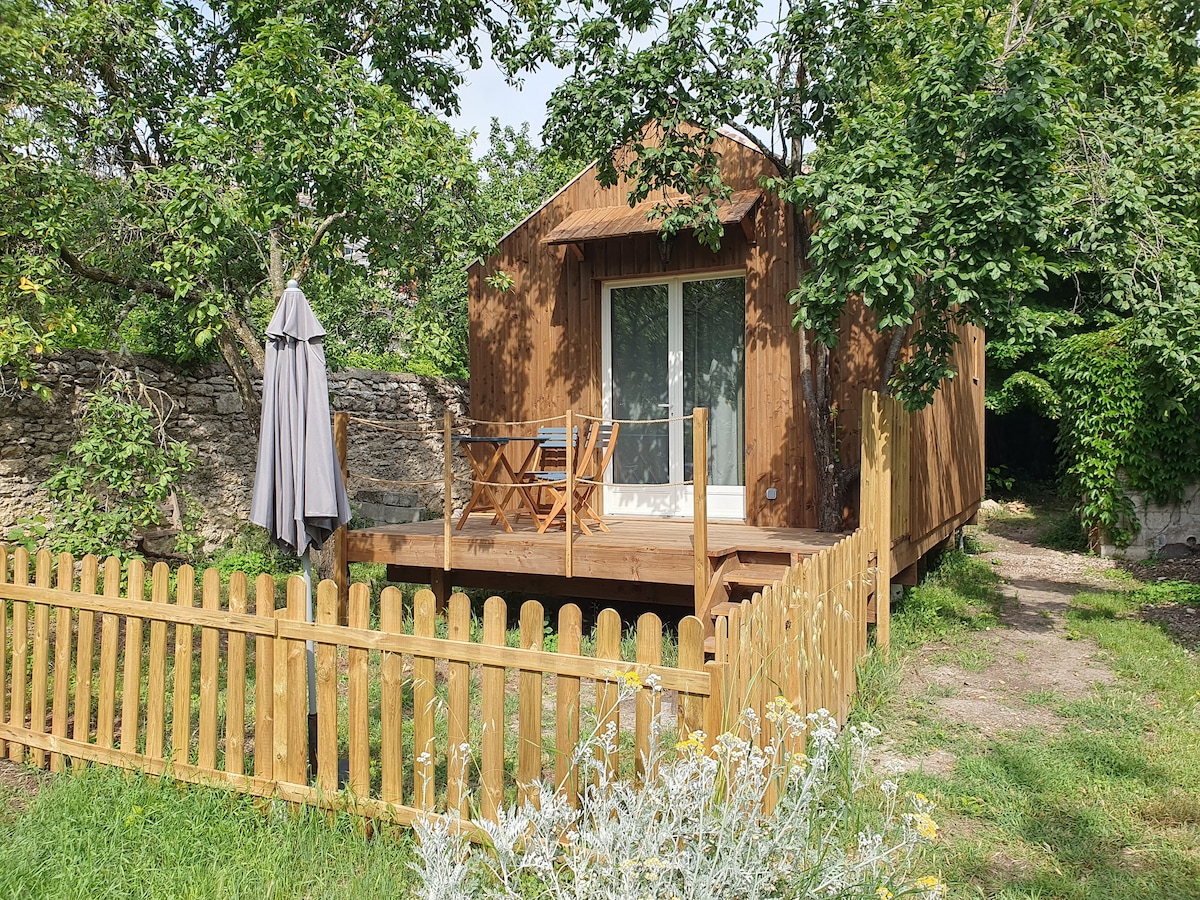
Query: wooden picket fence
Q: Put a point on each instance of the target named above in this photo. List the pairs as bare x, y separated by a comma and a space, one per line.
429, 713
396, 701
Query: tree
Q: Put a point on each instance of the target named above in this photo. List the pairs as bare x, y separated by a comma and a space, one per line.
918, 136
924, 148
164, 168
1111, 350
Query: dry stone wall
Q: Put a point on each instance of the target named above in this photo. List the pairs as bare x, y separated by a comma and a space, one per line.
206, 412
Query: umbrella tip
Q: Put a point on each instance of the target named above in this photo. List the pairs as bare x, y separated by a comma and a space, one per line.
293, 284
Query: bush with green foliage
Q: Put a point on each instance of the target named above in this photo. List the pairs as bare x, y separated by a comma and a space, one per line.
1128, 425
115, 479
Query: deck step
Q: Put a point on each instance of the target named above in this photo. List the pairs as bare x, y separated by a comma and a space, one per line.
722, 609
755, 575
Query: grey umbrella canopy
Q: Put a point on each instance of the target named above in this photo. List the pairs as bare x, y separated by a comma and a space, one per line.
299, 495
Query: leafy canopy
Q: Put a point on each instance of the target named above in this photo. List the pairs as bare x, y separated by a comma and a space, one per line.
165, 168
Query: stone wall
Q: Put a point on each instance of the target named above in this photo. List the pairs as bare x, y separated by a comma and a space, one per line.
207, 413
1170, 530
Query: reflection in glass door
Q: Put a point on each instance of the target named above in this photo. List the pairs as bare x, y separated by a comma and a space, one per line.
669, 346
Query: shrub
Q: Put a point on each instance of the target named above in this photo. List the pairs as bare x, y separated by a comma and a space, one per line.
698, 827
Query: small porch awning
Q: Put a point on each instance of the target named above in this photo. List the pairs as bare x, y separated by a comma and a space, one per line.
626, 221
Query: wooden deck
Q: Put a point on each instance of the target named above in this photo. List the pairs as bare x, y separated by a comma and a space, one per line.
648, 560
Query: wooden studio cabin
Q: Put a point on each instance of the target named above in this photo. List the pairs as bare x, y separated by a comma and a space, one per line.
602, 320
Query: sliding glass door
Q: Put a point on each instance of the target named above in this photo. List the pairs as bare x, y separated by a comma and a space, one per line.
671, 345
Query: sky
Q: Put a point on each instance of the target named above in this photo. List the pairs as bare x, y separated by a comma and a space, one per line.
486, 96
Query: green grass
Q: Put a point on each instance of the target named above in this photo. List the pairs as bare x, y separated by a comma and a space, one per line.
1105, 807
104, 834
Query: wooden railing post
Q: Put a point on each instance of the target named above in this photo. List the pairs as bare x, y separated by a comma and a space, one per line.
875, 503
341, 567
700, 508
570, 488
447, 490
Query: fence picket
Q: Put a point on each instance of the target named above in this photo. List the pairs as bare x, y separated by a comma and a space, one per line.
391, 707
4, 641
60, 705
39, 683
567, 706
646, 703
327, 692
206, 743
608, 710
424, 625
495, 620
691, 657
106, 686
529, 712
458, 675
85, 639
235, 681
156, 676
131, 692
264, 682
360, 738
298, 706
18, 706
181, 708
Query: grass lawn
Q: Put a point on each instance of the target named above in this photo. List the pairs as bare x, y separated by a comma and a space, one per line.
106, 834
1105, 805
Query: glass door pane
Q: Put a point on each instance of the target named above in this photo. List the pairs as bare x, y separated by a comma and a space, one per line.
714, 374
641, 382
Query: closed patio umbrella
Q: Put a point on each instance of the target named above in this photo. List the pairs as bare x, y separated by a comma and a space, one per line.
299, 495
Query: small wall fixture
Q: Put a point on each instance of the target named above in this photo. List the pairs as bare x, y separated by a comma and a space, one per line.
772, 493
665, 246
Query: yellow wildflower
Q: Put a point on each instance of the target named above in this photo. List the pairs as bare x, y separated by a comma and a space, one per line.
931, 885
883, 893
925, 826
632, 679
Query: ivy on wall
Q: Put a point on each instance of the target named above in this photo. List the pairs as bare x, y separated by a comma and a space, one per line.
116, 479
1124, 428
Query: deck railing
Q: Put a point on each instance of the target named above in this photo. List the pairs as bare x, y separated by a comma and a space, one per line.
572, 420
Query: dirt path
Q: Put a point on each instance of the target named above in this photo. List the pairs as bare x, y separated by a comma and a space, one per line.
1002, 679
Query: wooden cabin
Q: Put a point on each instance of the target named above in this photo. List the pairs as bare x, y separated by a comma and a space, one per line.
584, 308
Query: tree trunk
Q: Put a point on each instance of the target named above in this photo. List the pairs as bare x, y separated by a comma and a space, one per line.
816, 389
243, 376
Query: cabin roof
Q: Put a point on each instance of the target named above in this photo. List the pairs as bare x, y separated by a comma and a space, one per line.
624, 221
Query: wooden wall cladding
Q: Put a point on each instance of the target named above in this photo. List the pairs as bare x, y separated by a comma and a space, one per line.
536, 348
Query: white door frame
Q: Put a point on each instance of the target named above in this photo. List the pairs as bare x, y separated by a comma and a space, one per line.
725, 502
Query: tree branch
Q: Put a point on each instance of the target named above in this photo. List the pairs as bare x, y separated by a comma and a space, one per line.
158, 289
301, 268
895, 345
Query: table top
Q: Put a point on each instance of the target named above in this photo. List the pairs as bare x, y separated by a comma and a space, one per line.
471, 439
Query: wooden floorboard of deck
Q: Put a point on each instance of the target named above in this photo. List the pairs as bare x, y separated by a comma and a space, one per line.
657, 551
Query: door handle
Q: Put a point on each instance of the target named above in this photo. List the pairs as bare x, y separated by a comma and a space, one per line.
664, 406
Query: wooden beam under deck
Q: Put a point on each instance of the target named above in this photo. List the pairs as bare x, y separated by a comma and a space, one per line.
643, 551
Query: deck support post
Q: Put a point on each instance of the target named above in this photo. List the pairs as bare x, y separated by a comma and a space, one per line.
569, 563
447, 494
341, 567
700, 509
439, 583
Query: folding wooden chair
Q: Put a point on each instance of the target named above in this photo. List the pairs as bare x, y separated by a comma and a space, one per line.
548, 464
589, 474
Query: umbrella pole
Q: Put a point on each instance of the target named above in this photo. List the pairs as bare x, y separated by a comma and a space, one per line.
310, 654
